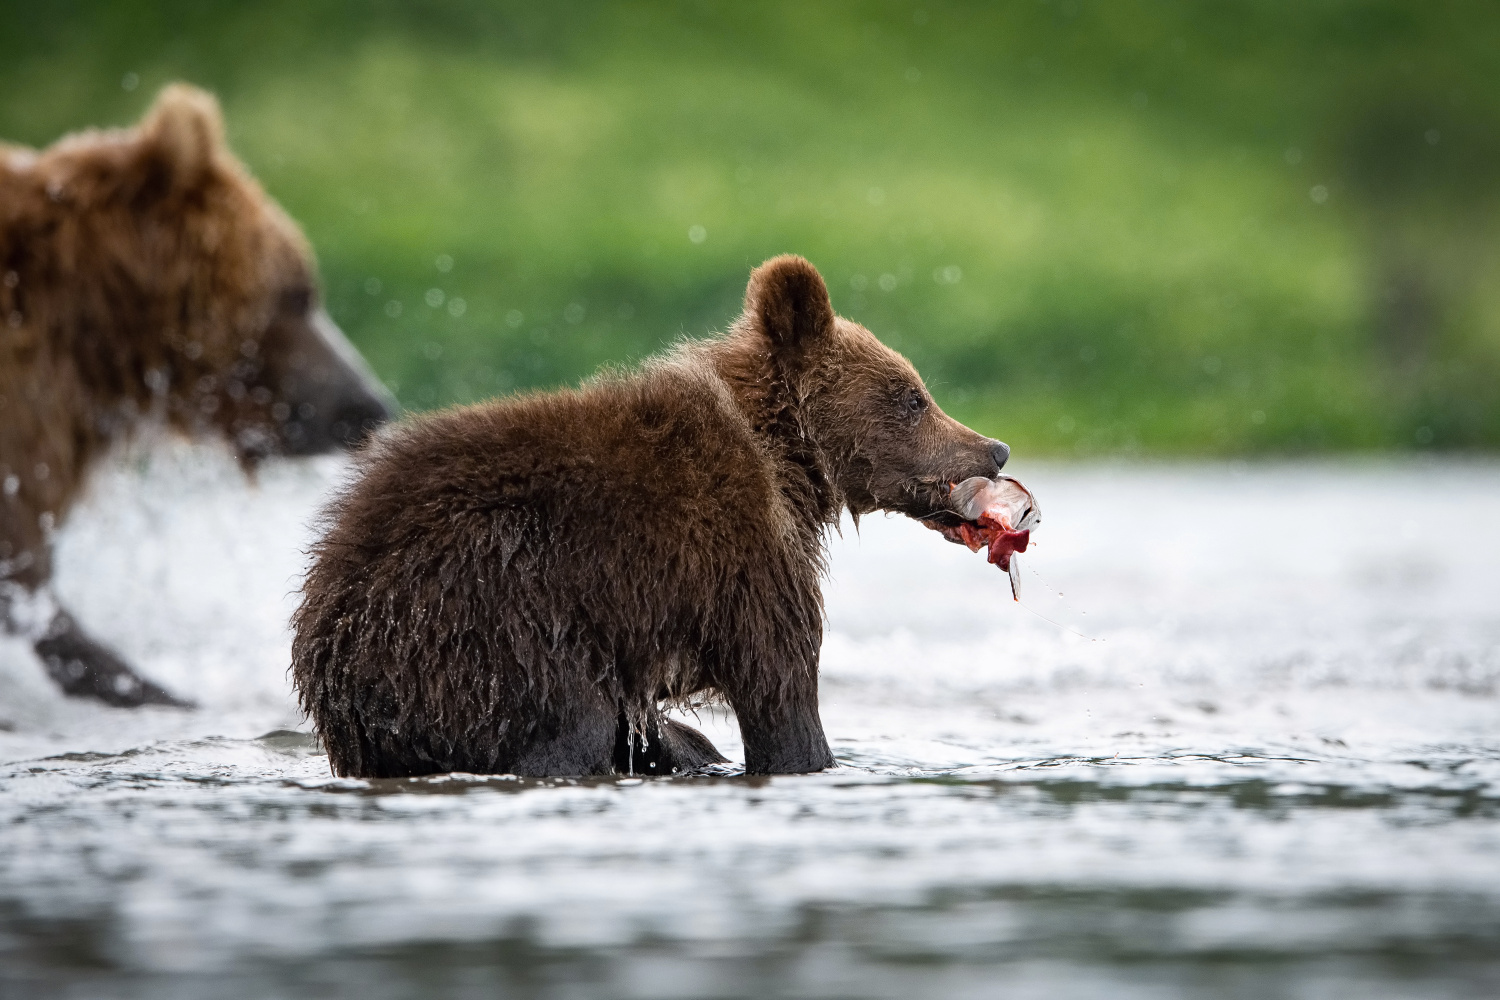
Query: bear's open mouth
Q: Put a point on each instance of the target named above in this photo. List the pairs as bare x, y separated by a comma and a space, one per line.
992, 514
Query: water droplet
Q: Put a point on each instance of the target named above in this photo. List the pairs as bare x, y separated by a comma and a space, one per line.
435, 297
697, 234
457, 307
1319, 194
130, 81
444, 263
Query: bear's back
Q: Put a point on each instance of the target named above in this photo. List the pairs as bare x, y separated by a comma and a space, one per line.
660, 456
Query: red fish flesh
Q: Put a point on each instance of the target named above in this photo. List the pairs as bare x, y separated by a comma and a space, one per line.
998, 515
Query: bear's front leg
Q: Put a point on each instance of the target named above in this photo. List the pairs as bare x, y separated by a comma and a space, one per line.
765, 663
787, 739
776, 703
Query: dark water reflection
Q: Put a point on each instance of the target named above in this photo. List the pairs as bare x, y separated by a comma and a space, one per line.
306, 886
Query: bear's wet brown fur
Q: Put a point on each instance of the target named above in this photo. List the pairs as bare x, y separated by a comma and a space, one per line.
146, 279
520, 586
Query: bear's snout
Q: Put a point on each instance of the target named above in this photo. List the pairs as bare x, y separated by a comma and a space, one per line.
358, 417
332, 398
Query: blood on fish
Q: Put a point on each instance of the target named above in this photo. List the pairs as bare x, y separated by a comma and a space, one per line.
993, 534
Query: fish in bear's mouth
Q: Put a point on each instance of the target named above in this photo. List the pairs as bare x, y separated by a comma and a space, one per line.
997, 514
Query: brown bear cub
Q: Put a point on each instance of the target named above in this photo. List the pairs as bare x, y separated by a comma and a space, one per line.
147, 280
520, 586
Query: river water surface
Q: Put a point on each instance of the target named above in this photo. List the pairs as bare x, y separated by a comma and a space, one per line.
1257, 755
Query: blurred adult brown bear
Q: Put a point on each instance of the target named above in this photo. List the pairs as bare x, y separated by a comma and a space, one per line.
519, 586
146, 279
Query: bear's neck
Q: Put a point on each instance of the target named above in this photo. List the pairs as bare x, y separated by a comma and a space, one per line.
778, 418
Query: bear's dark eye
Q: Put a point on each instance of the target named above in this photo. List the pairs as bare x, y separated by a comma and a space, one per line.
296, 301
914, 402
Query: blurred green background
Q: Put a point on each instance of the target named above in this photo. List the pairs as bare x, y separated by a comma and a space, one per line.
1096, 227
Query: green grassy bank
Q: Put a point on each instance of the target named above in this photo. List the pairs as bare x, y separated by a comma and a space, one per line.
1096, 227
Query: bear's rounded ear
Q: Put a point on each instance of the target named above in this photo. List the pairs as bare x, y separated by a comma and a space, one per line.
182, 134
787, 301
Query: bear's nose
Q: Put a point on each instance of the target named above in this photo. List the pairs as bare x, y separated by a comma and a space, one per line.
999, 451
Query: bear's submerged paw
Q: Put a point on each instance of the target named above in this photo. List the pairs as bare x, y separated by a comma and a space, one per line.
662, 746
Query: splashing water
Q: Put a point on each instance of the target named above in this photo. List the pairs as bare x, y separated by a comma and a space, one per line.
1279, 775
